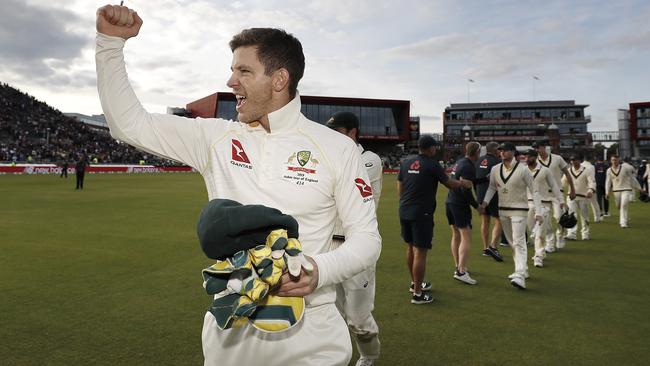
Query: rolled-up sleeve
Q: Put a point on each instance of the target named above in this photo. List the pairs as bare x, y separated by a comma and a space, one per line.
174, 137
356, 210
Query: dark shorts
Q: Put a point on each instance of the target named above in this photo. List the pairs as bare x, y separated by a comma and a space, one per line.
459, 216
492, 209
418, 232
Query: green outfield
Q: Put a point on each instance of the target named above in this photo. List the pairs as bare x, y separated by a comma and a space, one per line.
111, 276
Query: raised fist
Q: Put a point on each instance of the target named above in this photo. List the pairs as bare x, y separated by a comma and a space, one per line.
118, 21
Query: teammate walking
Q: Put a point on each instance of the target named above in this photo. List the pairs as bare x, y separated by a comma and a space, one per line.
511, 180
484, 165
272, 156
585, 185
355, 297
459, 213
417, 184
593, 201
549, 192
621, 180
558, 166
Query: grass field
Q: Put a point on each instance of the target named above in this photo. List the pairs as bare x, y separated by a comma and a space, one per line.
111, 276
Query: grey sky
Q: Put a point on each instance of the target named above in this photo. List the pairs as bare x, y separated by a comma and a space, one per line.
595, 52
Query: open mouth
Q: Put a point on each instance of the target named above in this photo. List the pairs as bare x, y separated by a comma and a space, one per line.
241, 100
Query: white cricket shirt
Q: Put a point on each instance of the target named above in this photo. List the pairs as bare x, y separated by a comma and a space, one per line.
302, 168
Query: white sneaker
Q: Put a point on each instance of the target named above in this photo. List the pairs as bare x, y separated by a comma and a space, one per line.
365, 362
625, 226
561, 243
607, 215
585, 237
570, 237
518, 282
538, 262
548, 249
515, 275
465, 278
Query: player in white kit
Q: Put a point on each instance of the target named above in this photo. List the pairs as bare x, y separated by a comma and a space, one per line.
584, 181
558, 167
621, 180
512, 181
355, 297
272, 156
549, 192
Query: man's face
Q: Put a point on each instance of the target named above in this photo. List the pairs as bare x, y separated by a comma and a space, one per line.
531, 160
614, 160
507, 154
252, 87
541, 150
576, 163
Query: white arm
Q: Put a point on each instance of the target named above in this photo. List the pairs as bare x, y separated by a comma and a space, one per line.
534, 191
182, 139
362, 244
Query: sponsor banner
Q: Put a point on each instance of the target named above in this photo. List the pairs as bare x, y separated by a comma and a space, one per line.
53, 169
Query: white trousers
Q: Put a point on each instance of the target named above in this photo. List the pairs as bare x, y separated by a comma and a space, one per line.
580, 207
320, 338
559, 232
355, 299
623, 199
544, 233
595, 208
514, 228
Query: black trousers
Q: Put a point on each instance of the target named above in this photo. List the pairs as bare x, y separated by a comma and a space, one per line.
64, 172
80, 180
603, 202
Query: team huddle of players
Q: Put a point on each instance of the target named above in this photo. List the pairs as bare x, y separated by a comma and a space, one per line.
520, 192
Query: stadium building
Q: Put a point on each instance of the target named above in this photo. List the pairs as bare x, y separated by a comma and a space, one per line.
385, 126
563, 123
634, 130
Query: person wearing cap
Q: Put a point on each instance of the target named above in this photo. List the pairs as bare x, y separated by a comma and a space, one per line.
355, 297
622, 182
459, 213
272, 155
417, 184
584, 182
511, 180
558, 167
549, 192
484, 165
593, 201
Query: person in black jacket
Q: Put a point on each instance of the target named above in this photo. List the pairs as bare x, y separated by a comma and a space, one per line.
459, 213
80, 170
484, 165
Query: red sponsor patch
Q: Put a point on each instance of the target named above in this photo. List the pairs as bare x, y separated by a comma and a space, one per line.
415, 165
364, 189
484, 162
238, 153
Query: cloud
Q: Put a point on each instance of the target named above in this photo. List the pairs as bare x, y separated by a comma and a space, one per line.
40, 44
436, 46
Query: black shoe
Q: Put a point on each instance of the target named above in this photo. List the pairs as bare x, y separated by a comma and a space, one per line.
426, 286
423, 298
494, 253
486, 253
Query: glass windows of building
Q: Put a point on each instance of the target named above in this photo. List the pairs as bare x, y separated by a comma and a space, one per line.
226, 110
379, 121
643, 122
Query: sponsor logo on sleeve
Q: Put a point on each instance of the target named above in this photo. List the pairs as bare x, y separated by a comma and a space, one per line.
364, 189
414, 168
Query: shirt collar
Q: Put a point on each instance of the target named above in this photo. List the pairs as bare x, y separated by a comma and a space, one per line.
285, 118
360, 148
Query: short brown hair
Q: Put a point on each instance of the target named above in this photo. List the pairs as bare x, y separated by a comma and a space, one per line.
276, 49
472, 148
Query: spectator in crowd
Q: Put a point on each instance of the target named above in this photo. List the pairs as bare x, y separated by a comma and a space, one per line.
30, 128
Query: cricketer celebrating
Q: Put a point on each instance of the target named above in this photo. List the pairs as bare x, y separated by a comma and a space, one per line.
272, 156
